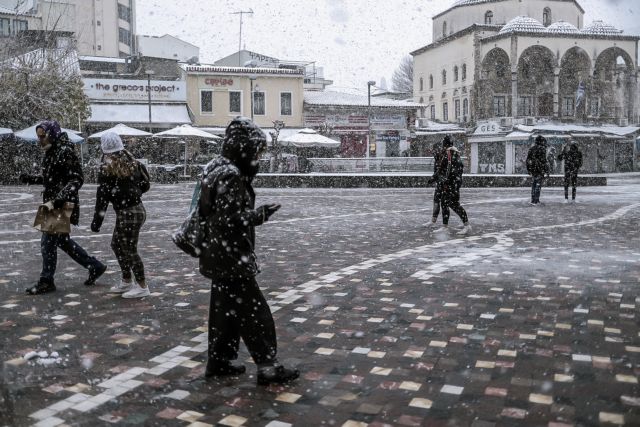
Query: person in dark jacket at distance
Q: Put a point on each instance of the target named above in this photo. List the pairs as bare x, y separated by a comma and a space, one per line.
438, 152
122, 181
537, 166
62, 178
572, 163
238, 308
448, 178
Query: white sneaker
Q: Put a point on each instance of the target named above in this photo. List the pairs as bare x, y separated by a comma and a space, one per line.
464, 231
432, 223
137, 291
566, 200
443, 229
120, 288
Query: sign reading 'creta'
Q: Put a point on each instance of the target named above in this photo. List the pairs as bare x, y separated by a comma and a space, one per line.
134, 90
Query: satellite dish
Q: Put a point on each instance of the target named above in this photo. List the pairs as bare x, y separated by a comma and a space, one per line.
252, 63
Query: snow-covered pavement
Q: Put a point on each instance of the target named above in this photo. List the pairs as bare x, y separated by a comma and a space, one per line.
529, 320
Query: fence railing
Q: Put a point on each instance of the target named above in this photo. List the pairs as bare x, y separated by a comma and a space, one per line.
373, 164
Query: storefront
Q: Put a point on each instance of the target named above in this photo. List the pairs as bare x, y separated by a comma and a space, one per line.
160, 105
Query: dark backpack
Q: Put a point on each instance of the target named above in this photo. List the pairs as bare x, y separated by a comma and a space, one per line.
190, 236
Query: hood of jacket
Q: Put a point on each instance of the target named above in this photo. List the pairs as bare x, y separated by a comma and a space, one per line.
243, 142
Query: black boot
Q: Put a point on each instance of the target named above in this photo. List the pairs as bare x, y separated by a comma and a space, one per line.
276, 375
223, 369
43, 286
94, 274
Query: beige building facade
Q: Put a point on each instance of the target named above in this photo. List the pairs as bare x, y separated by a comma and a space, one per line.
216, 94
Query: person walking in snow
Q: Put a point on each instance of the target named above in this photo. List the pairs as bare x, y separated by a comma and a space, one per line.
61, 178
449, 180
121, 181
438, 153
538, 167
572, 163
238, 309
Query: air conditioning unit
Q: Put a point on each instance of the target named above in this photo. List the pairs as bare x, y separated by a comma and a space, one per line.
423, 122
506, 122
530, 121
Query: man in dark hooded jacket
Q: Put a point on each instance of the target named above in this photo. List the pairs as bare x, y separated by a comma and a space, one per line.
237, 308
62, 178
572, 164
538, 167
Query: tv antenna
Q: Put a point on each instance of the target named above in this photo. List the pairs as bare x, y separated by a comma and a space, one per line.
241, 13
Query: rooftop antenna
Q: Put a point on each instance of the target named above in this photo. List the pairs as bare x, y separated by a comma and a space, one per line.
241, 12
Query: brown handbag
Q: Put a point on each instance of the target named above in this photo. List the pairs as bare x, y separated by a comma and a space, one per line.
54, 221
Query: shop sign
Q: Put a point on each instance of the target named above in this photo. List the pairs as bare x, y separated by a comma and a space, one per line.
218, 81
388, 121
488, 128
134, 90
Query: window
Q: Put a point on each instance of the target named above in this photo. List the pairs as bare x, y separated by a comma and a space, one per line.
124, 36
285, 104
20, 25
235, 101
456, 108
430, 81
421, 100
595, 107
433, 112
445, 111
258, 103
421, 84
568, 104
5, 27
464, 72
488, 17
546, 17
444, 77
465, 108
206, 102
499, 106
124, 13
455, 73
444, 29
525, 106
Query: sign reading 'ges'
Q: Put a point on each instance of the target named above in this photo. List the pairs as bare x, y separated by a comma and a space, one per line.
134, 90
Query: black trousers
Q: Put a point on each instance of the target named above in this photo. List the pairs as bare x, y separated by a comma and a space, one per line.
124, 241
570, 178
451, 200
239, 310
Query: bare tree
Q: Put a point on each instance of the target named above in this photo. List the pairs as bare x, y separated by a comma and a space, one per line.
402, 79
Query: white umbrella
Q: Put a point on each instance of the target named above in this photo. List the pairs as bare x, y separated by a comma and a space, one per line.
309, 138
29, 134
5, 131
122, 130
185, 131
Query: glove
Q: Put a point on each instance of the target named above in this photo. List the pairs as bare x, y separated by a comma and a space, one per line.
95, 228
58, 204
267, 210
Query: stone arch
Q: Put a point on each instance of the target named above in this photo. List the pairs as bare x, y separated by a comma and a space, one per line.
614, 84
495, 81
575, 72
536, 66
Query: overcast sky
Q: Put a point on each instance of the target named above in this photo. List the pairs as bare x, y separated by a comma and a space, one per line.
353, 40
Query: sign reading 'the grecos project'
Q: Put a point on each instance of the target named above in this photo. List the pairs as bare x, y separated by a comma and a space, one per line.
134, 90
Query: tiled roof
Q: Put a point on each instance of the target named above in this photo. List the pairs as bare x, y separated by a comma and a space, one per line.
600, 28
562, 27
523, 24
348, 99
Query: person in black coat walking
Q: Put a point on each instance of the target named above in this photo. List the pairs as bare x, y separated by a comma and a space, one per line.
448, 178
238, 308
538, 167
62, 178
572, 164
121, 182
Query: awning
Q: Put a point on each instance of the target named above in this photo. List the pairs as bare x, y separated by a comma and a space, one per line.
166, 115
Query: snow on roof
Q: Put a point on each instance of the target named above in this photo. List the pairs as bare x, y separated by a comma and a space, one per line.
601, 28
102, 59
440, 127
7, 11
204, 68
348, 99
523, 24
556, 127
562, 27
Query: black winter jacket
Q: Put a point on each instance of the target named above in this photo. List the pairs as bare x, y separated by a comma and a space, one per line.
448, 171
122, 193
537, 164
572, 159
227, 203
61, 176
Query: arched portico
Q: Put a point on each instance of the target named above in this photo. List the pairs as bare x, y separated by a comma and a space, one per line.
494, 87
537, 82
574, 83
614, 84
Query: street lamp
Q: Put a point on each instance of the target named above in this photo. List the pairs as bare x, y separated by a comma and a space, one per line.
251, 80
369, 84
149, 73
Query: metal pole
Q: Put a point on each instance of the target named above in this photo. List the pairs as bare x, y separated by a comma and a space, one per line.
185, 157
251, 94
149, 74
369, 84
241, 12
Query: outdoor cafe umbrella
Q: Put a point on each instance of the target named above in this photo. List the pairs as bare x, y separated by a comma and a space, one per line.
309, 138
30, 135
122, 130
5, 131
186, 132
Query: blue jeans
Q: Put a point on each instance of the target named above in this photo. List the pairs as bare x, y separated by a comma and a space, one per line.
49, 244
536, 186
